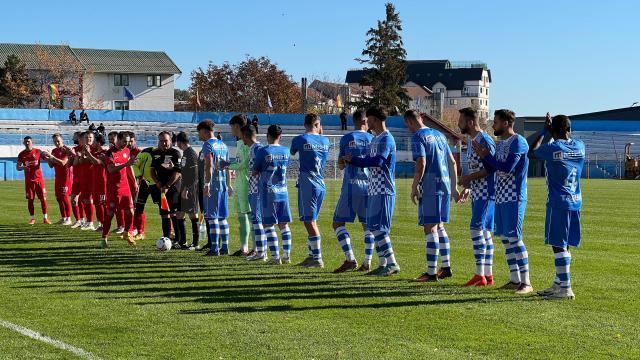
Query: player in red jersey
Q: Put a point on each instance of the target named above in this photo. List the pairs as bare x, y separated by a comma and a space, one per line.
86, 187
59, 160
29, 162
78, 211
113, 138
117, 161
133, 181
98, 179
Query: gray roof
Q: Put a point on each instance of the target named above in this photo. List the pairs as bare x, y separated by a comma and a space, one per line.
126, 61
29, 54
95, 60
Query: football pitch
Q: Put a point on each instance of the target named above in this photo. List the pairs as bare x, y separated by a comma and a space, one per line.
128, 303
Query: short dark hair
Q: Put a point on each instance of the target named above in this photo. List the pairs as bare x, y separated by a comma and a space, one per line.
412, 114
506, 115
248, 131
56, 135
113, 133
469, 113
123, 134
238, 119
99, 138
182, 137
163, 133
27, 138
310, 118
206, 125
274, 131
377, 111
358, 115
561, 124
131, 134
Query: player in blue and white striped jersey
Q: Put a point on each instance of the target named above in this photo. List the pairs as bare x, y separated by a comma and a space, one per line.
564, 160
313, 150
354, 195
510, 162
271, 163
381, 162
480, 186
434, 184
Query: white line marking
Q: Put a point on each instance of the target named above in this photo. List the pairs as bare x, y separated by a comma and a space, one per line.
57, 343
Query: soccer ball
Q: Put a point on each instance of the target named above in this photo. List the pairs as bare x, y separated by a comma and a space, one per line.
163, 244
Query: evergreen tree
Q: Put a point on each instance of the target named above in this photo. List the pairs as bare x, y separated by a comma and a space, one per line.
16, 87
385, 54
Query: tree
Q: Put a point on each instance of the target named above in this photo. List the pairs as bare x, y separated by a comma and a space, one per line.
385, 54
56, 65
244, 87
182, 95
16, 88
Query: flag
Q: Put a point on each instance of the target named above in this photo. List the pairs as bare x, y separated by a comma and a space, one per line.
269, 102
164, 204
128, 94
338, 101
54, 92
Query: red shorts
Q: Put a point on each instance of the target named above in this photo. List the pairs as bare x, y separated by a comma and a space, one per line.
35, 188
99, 198
119, 202
62, 191
75, 187
86, 187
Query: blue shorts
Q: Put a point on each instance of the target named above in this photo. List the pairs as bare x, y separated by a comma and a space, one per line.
434, 209
562, 228
276, 212
216, 206
352, 202
256, 208
380, 212
482, 213
310, 203
509, 218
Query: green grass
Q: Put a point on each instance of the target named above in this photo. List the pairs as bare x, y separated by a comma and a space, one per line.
138, 303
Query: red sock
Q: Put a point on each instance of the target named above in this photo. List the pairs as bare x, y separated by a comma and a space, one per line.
67, 207
61, 205
88, 210
120, 218
44, 206
128, 220
32, 210
106, 225
100, 212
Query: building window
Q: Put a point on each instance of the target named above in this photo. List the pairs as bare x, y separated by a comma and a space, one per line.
453, 101
154, 80
120, 80
473, 101
121, 105
440, 90
486, 91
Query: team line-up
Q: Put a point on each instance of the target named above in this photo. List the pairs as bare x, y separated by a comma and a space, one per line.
117, 183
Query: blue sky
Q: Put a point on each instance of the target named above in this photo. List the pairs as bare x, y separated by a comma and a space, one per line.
559, 56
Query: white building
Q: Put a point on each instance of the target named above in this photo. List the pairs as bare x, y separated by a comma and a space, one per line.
102, 76
452, 85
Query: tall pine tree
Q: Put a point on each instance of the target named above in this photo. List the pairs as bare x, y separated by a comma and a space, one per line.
16, 87
385, 54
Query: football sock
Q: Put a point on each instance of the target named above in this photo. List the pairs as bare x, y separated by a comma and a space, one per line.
479, 250
245, 230
444, 247
369, 244
223, 225
272, 241
488, 257
509, 252
432, 241
345, 242
286, 241
315, 245
563, 273
166, 227
195, 232
522, 259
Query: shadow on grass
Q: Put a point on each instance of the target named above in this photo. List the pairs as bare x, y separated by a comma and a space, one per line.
66, 264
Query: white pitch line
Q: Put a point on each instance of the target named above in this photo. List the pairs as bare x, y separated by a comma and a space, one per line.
57, 343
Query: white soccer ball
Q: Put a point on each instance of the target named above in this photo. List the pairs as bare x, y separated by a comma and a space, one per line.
163, 244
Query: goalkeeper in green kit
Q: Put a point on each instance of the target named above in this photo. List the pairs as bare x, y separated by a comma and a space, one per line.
241, 184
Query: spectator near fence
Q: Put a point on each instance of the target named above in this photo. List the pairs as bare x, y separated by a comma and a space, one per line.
84, 117
72, 117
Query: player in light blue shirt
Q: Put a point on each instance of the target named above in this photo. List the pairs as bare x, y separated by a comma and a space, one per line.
271, 163
381, 162
564, 159
510, 162
434, 183
313, 150
354, 195
259, 237
216, 189
480, 187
